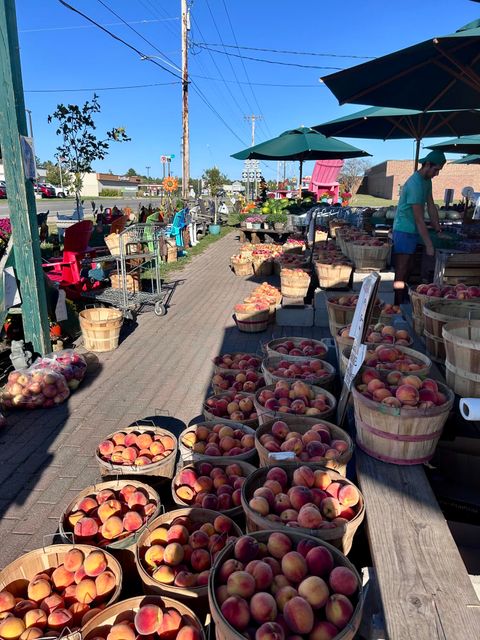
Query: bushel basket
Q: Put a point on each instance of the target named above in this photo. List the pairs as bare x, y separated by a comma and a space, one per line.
331, 276
462, 347
100, 328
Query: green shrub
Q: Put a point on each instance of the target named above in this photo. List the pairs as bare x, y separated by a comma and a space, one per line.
110, 193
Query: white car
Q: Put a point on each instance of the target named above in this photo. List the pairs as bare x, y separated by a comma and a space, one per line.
60, 192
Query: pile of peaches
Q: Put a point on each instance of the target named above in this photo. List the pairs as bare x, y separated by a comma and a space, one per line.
391, 358
381, 334
309, 499
312, 371
109, 515
316, 445
265, 293
248, 381
237, 407
181, 553
208, 486
218, 440
151, 621
349, 301
237, 361
398, 390
391, 309
300, 348
449, 292
136, 448
293, 397
58, 598
280, 589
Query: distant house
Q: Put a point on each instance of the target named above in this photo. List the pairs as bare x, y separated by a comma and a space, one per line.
235, 187
95, 183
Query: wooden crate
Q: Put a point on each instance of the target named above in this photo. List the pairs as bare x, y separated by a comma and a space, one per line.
133, 282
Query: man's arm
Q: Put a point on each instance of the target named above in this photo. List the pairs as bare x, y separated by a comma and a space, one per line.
418, 212
433, 213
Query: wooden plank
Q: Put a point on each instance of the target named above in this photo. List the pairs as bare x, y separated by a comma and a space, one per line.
425, 588
21, 198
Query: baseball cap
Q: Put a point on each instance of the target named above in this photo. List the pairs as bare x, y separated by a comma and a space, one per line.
435, 157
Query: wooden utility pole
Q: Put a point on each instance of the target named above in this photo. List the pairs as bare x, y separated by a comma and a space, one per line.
21, 198
185, 124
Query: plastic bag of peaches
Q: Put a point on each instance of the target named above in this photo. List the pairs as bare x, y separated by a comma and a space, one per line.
70, 364
34, 389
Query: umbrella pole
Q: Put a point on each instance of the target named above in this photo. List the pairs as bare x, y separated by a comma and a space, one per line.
300, 184
417, 153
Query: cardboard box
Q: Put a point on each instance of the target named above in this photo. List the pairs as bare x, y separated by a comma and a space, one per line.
295, 316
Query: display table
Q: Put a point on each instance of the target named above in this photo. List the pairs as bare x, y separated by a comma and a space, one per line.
256, 236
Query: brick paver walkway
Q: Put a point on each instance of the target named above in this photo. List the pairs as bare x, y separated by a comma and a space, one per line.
47, 456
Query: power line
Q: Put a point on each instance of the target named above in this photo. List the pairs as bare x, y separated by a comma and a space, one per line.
88, 26
132, 86
267, 84
154, 12
167, 60
287, 51
142, 55
284, 64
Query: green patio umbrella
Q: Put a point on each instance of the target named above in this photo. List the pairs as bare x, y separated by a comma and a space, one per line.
473, 158
439, 73
386, 123
300, 144
464, 144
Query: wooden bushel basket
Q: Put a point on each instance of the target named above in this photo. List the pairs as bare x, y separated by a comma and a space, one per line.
270, 348
225, 631
100, 328
265, 414
401, 436
196, 596
99, 625
262, 266
462, 347
366, 257
294, 284
187, 454
340, 537
254, 324
302, 424
333, 275
16, 575
436, 314
326, 382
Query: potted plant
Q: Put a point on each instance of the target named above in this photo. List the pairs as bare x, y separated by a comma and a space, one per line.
278, 219
255, 221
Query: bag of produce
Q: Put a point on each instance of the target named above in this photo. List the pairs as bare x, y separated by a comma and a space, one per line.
34, 389
70, 364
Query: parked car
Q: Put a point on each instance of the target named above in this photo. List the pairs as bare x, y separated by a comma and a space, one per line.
60, 192
45, 190
3, 189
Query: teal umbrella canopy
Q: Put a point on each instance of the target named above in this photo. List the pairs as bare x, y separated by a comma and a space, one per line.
464, 144
473, 158
300, 144
439, 73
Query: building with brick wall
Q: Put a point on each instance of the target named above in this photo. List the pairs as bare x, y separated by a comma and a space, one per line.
384, 180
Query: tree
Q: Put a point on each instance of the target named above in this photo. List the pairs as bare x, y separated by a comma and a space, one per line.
352, 174
131, 173
81, 147
214, 179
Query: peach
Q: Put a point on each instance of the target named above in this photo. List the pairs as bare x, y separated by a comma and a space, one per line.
274, 486
246, 549
138, 498
203, 577
330, 508
106, 448
319, 561
263, 607
322, 479
173, 554
414, 381
338, 610
280, 429
132, 521
185, 579
86, 591
105, 583
200, 560
304, 547
164, 574
241, 583
188, 633
279, 475
11, 628
285, 594
343, 580
278, 545
390, 401
270, 631
407, 394
59, 618
348, 495
202, 483
227, 568
374, 385
52, 603
109, 508
111, 528
95, 563
73, 517
260, 505
86, 528
370, 374
78, 611
315, 591
178, 533
32, 634
394, 377
7, 601
80, 574
381, 394
428, 383
143, 440
38, 589
309, 517
126, 491
299, 616
323, 630
294, 566
299, 496
262, 574
222, 524
148, 619
121, 631
199, 540
236, 612
73, 560
185, 493
22, 606
87, 504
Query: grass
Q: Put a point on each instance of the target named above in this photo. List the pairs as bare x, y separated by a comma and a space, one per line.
364, 200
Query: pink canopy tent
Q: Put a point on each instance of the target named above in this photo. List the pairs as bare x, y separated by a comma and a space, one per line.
324, 177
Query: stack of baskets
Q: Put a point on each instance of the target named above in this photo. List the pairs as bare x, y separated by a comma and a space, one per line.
436, 313
241, 265
262, 263
462, 363
333, 274
252, 317
370, 257
294, 283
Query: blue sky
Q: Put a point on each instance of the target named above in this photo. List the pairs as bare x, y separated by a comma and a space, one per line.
60, 50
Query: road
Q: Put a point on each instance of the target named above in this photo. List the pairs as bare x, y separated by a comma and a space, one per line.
66, 206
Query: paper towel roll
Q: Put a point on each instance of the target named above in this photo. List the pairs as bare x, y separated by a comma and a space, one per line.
470, 408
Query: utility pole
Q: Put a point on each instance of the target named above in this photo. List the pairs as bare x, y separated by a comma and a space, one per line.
148, 172
185, 123
252, 118
21, 198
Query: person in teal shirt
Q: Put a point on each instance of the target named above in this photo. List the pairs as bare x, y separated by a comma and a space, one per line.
409, 224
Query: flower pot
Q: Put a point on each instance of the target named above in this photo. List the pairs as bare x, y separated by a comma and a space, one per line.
248, 225
214, 229
266, 225
256, 225
279, 226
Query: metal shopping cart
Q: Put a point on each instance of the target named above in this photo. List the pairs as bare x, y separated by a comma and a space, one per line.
136, 252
